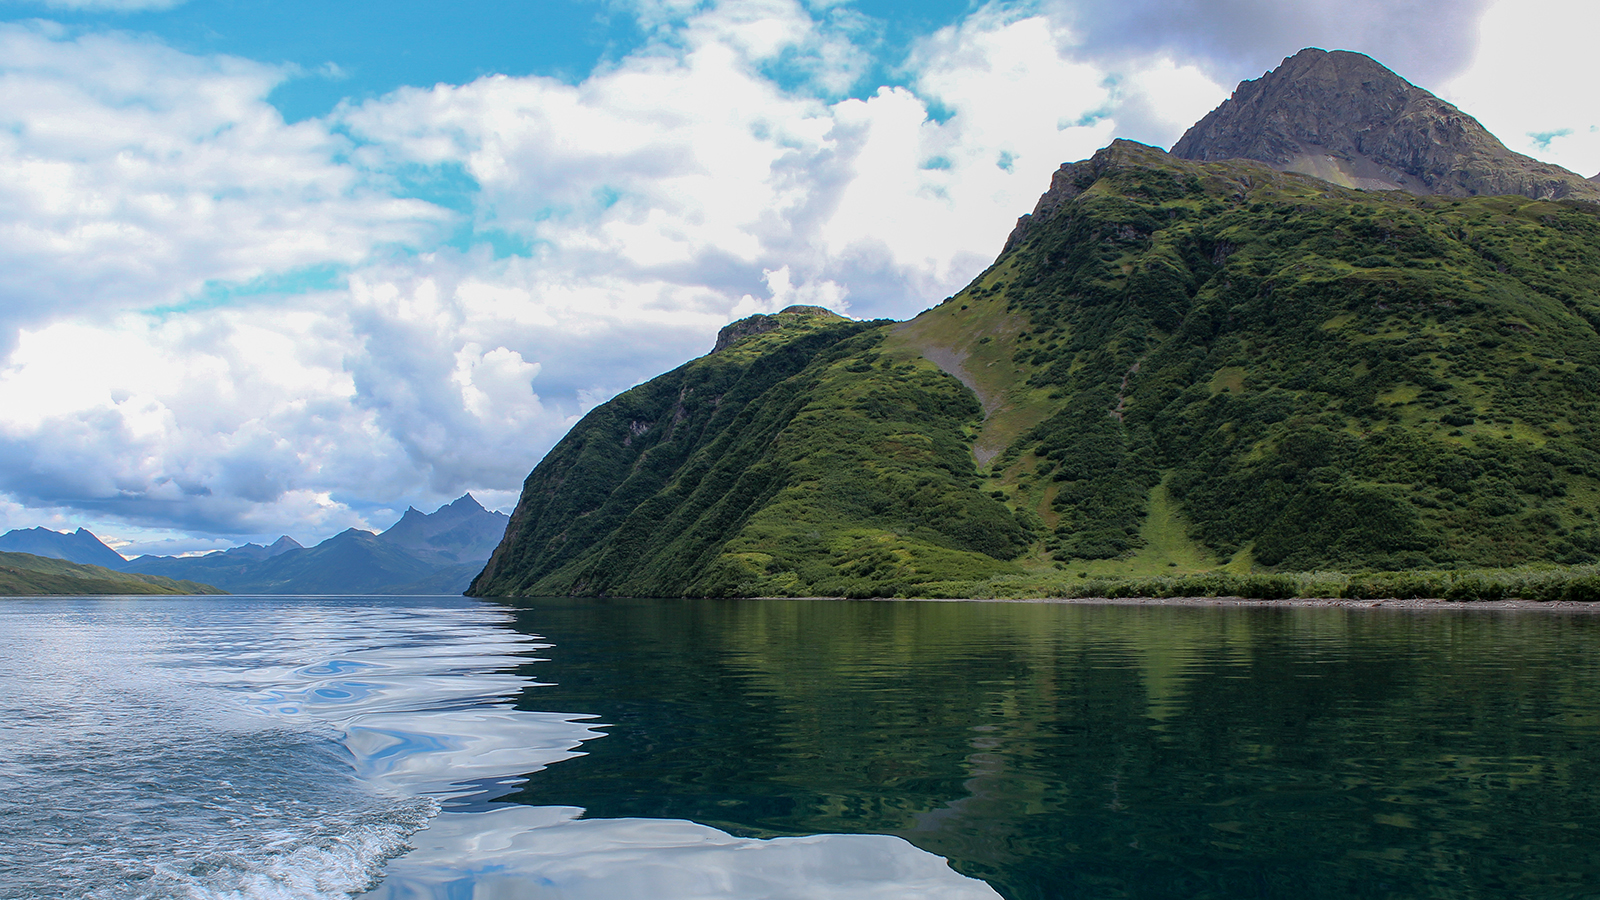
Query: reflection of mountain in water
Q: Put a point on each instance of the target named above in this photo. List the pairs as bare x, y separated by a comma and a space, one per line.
1062, 751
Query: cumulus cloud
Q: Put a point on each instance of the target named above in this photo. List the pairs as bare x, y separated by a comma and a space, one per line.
205, 422
137, 176
218, 324
643, 208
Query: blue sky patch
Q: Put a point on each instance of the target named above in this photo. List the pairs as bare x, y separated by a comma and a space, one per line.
446, 184
1542, 139
937, 111
501, 243
360, 49
214, 294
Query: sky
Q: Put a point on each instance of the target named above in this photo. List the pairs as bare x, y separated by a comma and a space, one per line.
289, 267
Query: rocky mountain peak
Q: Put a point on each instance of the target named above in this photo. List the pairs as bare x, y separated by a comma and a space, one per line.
283, 545
1345, 118
458, 532
466, 503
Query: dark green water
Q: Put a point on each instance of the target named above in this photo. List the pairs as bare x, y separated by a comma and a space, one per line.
1101, 752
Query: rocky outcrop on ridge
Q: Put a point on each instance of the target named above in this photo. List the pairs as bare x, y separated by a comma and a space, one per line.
761, 323
1072, 179
1343, 117
749, 326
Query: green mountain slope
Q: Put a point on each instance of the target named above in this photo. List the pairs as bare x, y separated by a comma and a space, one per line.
1327, 377
27, 575
1173, 367
801, 460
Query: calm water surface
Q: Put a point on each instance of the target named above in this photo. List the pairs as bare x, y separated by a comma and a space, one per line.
431, 748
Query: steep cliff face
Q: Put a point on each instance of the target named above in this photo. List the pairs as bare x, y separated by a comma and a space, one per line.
1343, 117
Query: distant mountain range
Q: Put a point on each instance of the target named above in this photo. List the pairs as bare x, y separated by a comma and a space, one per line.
79, 546
436, 553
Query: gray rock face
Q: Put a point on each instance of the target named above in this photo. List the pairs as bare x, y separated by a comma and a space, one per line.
1343, 117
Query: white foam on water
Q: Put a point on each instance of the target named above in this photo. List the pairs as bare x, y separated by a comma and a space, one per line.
232, 748
327, 867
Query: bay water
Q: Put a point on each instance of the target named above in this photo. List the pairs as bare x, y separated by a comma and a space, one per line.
438, 747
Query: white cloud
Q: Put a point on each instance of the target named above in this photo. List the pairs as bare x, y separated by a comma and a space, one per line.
1532, 81
136, 175
656, 200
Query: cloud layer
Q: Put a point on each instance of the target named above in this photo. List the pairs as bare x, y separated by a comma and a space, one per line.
1426, 41
219, 326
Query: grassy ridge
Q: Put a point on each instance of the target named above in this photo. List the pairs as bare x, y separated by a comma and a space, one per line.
26, 575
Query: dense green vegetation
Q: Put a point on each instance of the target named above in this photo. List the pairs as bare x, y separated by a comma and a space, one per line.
26, 575
1185, 368
1332, 377
801, 461
1575, 584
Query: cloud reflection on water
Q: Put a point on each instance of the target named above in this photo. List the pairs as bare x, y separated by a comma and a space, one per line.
536, 852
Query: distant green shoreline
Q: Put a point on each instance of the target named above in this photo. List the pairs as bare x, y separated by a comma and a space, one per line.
1576, 584
27, 575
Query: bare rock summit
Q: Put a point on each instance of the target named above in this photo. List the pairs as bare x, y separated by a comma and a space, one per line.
1345, 118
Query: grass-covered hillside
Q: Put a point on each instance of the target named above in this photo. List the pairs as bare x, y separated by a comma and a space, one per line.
27, 575
1174, 367
803, 460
